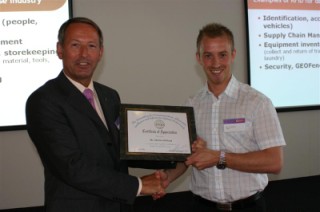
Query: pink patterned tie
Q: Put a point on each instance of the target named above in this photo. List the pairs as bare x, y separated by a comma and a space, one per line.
88, 93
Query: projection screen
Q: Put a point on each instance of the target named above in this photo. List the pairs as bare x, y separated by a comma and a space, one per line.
284, 51
27, 52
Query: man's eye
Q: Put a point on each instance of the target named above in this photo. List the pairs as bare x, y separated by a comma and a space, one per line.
74, 45
208, 56
92, 46
223, 55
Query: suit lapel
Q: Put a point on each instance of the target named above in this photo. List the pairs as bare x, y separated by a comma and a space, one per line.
106, 103
79, 102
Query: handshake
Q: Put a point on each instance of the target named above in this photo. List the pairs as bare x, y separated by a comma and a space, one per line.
156, 183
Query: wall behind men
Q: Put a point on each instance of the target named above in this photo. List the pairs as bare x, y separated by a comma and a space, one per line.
150, 59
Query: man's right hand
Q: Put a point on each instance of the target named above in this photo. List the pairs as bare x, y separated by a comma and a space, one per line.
152, 184
164, 178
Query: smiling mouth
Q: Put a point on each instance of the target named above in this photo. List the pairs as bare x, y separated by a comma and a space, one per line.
216, 71
83, 63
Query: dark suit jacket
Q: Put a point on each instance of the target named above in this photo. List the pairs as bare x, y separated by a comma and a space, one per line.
80, 156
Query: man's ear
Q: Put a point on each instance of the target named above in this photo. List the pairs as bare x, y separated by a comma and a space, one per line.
59, 50
233, 54
198, 58
101, 52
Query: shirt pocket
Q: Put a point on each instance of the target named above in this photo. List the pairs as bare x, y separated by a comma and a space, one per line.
239, 139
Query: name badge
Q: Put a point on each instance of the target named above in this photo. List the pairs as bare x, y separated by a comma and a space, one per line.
234, 125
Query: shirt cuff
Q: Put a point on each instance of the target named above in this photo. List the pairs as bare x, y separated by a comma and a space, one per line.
140, 186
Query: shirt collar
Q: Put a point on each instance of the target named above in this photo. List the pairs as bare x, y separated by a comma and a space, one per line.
79, 86
231, 90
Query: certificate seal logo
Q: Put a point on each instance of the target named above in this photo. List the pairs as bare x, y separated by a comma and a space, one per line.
159, 124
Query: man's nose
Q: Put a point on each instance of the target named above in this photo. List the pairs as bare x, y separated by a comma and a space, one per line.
215, 62
84, 51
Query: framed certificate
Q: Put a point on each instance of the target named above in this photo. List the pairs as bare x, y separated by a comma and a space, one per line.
154, 132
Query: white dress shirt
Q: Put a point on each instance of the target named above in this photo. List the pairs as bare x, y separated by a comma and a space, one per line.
240, 120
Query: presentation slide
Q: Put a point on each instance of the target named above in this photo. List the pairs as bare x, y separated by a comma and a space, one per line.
28, 38
284, 51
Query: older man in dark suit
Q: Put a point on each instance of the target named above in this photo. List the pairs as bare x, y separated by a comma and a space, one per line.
78, 140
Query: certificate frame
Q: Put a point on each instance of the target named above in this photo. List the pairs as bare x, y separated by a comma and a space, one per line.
156, 117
